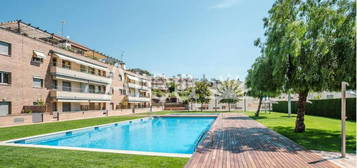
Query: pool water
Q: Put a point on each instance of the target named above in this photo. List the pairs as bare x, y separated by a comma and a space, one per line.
158, 134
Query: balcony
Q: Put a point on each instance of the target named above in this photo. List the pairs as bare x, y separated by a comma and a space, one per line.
136, 86
80, 96
67, 73
132, 98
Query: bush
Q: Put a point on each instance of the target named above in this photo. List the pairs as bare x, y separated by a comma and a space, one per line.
325, 107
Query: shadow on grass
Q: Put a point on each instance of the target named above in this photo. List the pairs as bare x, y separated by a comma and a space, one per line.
316, 139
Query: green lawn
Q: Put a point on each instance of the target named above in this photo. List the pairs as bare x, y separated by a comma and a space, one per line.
36, 129
321, 133
17, 157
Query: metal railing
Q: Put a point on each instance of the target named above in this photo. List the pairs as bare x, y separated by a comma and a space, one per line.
78, 90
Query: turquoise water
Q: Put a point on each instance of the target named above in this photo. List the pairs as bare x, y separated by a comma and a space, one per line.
159, 134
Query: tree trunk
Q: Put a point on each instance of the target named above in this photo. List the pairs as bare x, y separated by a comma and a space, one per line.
299, 124
229, 107
201, 107
259, 105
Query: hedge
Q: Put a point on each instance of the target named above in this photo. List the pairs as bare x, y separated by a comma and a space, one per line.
326, 108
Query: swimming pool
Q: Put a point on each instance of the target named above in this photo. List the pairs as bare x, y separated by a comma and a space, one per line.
157, 134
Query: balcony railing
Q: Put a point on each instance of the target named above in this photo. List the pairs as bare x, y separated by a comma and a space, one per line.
136, 86
135, 98
79, 75
75, 94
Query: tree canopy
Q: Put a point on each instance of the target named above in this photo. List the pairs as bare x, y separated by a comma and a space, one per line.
260, 81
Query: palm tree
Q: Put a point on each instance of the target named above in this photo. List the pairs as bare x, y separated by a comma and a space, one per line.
229, 92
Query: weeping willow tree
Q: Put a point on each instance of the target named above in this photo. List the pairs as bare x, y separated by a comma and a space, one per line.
311, 46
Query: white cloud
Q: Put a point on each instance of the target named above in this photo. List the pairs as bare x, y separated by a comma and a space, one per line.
225, 4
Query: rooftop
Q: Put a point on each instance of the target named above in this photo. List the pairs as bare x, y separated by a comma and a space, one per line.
28, 30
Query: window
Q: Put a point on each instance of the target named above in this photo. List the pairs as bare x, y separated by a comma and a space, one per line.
83, 68
91, 70
36, 59
101, 89
120, 77
54, 62
66, 107
5, 108
54, 84
54, 106
5, 48
82, 87
37, 82
91, 89
5, 77
66, 64
66, 86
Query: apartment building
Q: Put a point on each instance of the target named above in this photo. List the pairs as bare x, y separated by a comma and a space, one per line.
159, 82
138, 88
182, 81
41, 68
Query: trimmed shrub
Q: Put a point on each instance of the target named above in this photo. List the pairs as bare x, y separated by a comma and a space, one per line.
325, 107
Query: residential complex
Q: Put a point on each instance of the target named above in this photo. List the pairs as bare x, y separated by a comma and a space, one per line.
182, 81
38, 68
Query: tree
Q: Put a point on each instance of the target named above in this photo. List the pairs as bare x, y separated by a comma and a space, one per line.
229, 92
308, 43
260, 81
158, 93
171, 86
202, 93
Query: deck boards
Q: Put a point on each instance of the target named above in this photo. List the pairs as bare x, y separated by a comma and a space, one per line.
235, 140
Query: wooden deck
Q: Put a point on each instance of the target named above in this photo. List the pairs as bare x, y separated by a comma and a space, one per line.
235, 140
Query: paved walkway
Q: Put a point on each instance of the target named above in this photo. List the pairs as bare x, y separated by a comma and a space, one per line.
235, 140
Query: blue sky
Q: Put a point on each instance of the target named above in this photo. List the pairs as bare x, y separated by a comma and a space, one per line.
211, 37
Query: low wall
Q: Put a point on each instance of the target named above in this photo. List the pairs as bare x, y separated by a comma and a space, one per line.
13, 120
25, 119
130, 111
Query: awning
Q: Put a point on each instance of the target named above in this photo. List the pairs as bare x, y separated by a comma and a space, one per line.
133, 78
39, 54
81, 62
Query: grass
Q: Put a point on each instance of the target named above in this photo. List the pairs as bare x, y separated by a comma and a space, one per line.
36, 129
16, 157
321, 133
